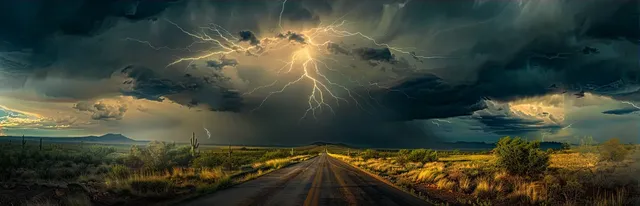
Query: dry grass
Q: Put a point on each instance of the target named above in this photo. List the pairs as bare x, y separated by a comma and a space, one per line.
446, 184
484, 188
573, 179
574, 160
457, 158
280, 162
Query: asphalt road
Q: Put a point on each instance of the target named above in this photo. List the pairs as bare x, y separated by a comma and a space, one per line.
323, 180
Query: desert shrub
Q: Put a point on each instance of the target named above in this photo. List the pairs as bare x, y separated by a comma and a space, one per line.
369, 154
566, 190
8, 162
275, 155
102, 169
157, 156
403, 152
65, 173
119, 171
208, 160
423, 156
403, 156
181, 156
521, 157
151, 187
613, 150
235, 162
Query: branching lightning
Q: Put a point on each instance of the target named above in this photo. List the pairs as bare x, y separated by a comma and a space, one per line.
632, 104
307, 61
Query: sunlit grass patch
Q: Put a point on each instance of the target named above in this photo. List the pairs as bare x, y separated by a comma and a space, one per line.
573, 160
577, 178
458, 158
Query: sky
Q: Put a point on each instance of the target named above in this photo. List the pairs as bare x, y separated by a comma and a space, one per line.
379, 73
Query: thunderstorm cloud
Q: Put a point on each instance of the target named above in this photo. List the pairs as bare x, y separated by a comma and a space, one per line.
101, 110
480, 69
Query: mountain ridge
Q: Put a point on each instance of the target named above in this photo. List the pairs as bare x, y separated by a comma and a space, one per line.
106, 138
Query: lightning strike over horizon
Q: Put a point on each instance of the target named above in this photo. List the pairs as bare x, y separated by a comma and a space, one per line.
630, 103
306, 61
208, 133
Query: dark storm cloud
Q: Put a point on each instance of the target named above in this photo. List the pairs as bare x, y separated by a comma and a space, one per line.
146, 85
375, 54
29, 23
523, 61
430, 97
621, 111
248, 36
508, 125
187, 90
505, 50
221, 63
102, 111
293, 36
337, 49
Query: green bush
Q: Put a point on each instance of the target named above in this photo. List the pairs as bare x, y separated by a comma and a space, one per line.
423, 156
369, 154
157, 156
521, 157
613, 150
403, 152
275, 155
209, 160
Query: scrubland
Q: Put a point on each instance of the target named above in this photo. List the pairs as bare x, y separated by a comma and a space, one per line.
515, 173
159, 172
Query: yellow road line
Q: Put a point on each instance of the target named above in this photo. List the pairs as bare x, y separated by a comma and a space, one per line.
314, 192
347, 193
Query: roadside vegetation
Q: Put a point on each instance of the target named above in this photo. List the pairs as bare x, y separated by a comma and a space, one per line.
516, 172
33, 173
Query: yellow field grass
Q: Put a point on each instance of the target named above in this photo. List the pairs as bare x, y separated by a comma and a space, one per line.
573, 178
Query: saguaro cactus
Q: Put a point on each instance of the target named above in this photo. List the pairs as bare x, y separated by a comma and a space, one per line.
40, 143
230, 151
194, 144
291, 151
24, 143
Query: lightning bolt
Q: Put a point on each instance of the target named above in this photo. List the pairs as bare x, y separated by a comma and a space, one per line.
208, 133
306, 62
631, 103
442, 120
280, 17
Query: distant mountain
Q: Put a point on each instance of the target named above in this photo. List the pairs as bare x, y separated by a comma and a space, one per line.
460, 145
330, 143
107, 138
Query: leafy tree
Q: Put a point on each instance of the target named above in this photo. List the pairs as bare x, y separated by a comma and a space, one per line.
613, 150
521, 157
